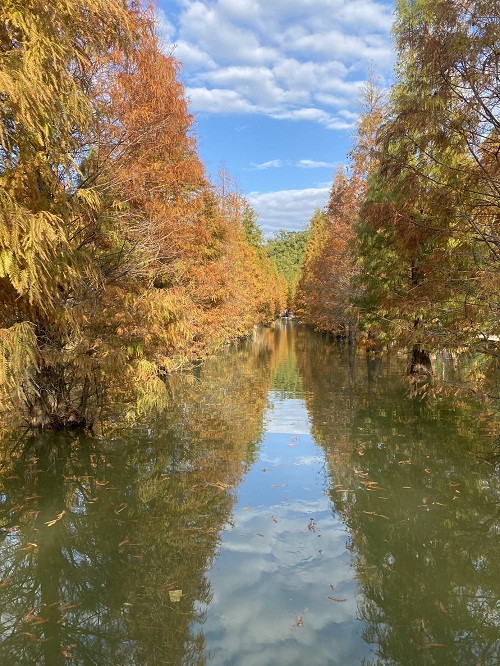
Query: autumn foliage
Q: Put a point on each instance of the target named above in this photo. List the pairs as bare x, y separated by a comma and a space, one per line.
407, 251
429, 235
327, 286
119, 260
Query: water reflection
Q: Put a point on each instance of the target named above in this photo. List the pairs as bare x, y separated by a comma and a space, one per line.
293, 506
412, 481
105, 542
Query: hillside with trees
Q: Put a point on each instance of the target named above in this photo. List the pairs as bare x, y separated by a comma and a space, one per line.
286, 251
119, 260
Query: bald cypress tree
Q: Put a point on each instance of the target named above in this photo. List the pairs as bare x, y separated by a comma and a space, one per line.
56, 246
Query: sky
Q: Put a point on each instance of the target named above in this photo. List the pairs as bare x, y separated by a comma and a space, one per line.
274, 86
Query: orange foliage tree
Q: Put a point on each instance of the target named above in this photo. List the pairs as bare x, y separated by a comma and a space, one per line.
327, 284
136, 266
199, 282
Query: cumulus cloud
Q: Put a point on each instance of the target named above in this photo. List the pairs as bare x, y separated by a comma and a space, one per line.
287, 209
218, 101
299, 60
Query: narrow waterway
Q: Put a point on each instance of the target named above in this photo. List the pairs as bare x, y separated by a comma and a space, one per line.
295, 506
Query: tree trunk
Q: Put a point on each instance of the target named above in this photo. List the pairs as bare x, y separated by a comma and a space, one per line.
420, 362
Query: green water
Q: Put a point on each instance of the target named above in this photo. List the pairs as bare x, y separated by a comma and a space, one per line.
294, 507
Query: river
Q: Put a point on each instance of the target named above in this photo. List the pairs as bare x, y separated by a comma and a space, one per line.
294, 506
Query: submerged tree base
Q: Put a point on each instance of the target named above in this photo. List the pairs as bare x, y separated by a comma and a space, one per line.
420, 363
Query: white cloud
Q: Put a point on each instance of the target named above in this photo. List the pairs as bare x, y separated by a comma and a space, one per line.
218, 101
287, 209
254, 83
190, 54
301, 164
287, 60
272, 164
313, 164
314, 115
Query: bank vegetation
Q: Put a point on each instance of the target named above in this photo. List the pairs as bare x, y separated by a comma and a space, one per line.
120, 262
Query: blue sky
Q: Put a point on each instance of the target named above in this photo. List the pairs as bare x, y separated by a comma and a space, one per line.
273, 86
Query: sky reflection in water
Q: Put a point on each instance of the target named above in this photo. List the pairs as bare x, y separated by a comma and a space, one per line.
344, 525
283, 559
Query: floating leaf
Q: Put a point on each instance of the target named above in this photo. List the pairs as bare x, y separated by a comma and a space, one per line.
175, 595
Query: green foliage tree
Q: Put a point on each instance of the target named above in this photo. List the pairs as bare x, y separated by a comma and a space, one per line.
429, 230
286, 251
313, 288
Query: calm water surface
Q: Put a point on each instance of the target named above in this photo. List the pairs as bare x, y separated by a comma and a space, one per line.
294, 506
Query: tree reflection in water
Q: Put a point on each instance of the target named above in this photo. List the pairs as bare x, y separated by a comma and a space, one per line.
97, 532
412, 481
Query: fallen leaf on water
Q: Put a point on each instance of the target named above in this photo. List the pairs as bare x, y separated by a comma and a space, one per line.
339, 599
274, 519
220, 486
53, 522
127, 542
379, 515
299, 621
432, 645
175, 595
67, 651
441, 606
247, 508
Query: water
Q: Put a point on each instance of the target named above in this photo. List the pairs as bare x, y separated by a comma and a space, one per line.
294, 506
